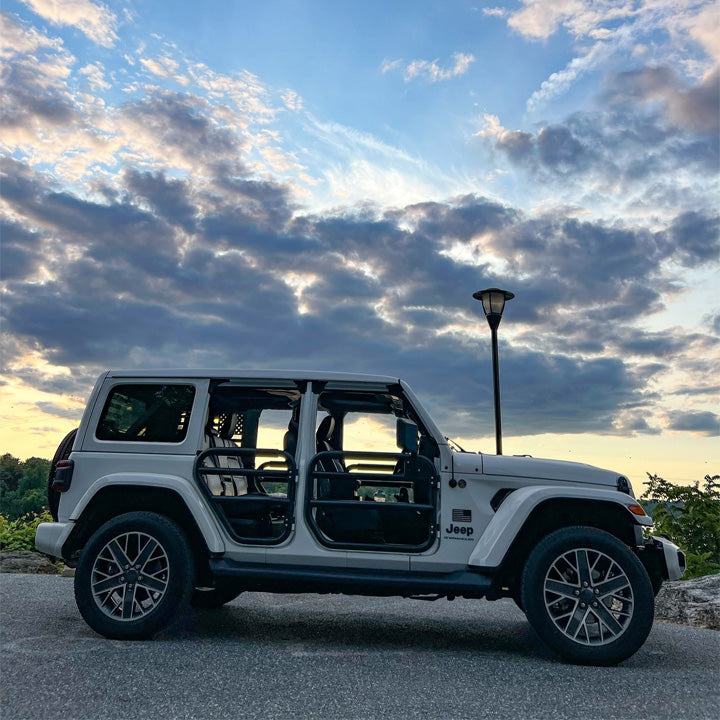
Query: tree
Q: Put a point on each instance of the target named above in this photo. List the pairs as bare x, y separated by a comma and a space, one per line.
689, 516
10, 473
22, 485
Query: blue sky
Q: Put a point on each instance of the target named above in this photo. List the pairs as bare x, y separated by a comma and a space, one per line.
324, 185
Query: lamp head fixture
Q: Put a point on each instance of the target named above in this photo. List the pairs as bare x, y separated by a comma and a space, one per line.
493, 302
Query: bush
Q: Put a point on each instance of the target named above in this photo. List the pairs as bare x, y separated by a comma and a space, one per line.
19, 534
689, 516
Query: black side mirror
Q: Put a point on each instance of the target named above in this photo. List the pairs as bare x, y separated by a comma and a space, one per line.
407, 435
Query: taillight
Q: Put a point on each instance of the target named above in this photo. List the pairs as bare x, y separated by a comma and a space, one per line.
63, 475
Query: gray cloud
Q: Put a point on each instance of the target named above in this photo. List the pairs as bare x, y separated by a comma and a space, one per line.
181, 122
705, 423
22, 106
56, 410
650, 126
693, 107
696, 237
19, 250
170, 198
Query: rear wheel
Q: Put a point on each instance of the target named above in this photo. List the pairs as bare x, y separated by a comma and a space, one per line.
588, 596
135, 573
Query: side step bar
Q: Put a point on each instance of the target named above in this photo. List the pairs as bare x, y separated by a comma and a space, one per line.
351, 581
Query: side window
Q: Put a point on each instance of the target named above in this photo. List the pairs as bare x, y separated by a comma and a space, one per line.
146, 413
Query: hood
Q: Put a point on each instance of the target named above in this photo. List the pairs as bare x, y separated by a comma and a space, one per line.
534, 468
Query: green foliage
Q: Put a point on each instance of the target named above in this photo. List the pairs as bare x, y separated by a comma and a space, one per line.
19, 534
689, 516
10, 473
22, 485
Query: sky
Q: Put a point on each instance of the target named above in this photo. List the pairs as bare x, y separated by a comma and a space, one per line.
323, 185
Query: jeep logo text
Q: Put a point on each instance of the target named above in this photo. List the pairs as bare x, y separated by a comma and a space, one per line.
456, 530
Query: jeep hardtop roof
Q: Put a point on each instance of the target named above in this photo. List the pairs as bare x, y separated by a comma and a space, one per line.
254, 375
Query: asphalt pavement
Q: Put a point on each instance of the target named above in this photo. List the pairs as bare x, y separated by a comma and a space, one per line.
333, 657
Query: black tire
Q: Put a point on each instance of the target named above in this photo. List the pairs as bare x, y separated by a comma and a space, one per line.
114, 596
208, 598
62, 453
602, 622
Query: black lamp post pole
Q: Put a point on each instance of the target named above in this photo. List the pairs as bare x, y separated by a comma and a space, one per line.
496, 388
493, 301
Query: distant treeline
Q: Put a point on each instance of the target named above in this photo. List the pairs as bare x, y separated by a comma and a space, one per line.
23, 485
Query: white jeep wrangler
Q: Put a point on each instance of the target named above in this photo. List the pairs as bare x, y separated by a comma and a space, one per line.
194, 486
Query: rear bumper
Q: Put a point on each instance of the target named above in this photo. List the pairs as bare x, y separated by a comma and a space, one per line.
50, 537
671, 557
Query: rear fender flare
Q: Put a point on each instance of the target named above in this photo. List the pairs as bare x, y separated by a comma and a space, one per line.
197, 506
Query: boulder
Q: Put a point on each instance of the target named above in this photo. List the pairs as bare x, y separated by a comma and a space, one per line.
26, 561
691, 602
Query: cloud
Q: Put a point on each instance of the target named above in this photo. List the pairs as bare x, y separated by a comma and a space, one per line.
34, 92
560, 81
539, 20
93, 19
652, 144
174, 269
606, 29
94, 72
20, 39
693, 107
20, 255
703, 423
165, 67
495, 12
430, 70
51, 408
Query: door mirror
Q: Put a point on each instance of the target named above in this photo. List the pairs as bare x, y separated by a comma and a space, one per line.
407, 435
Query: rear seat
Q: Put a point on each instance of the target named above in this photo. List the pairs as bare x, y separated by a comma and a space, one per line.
224, 485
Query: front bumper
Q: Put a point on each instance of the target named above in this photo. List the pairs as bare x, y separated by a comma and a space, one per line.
50, 537
669, 557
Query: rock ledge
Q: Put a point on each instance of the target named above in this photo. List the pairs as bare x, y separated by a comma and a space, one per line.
27, 561
691, 602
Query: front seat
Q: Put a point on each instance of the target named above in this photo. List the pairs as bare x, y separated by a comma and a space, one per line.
341, 524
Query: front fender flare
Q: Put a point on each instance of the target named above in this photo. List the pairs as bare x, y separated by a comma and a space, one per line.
508, 521
197, 505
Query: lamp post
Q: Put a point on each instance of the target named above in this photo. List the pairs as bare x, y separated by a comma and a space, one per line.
493, 302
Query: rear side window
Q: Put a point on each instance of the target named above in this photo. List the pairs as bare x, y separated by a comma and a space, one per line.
146, 413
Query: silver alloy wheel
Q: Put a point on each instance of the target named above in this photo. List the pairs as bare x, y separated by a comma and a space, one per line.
130, 576
588, 596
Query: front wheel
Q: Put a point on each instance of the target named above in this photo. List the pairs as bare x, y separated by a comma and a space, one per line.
588, 596
135, 573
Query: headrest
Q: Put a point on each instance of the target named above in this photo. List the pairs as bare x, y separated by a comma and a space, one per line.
290, 438
228, 425
326, 429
